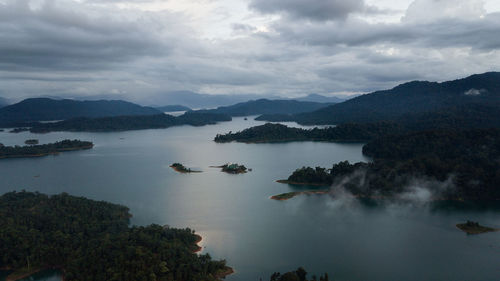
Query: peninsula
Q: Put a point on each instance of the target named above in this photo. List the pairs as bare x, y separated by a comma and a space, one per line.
86, 239
43, 149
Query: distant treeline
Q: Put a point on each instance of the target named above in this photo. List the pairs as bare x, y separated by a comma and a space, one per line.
298, 275
91, 240
460, 165
43, 149
123, 123
454, 118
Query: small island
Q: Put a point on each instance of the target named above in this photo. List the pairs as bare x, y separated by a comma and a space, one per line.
234, 168
290, 195
31, 141
471, 227
178, 167
43, 149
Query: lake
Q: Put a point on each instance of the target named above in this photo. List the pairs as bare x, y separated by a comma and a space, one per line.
257, 236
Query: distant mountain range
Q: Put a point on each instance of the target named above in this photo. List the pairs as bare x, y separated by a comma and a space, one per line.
409, 98
173, 108
45, 109
265, 106
321, 99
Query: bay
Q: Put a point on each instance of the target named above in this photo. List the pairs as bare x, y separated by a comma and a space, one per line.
258, 236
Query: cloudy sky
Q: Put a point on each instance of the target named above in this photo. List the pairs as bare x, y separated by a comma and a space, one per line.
141, 49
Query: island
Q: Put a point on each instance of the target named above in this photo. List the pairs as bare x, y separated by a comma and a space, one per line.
43, 149
232, 168
31, 141
471, 227
178, 167
86, 239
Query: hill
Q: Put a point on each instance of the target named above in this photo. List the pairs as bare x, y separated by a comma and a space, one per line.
409, 98
265, 106
45, 109
124, 123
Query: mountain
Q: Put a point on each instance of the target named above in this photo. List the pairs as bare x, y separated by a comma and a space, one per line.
408, 98
173, 108
265, 106
45, 109
3, 102
321, 98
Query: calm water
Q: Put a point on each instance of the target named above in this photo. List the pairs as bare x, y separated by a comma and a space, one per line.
238, 221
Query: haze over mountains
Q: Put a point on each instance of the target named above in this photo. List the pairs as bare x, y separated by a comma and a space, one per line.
265, 106
408, 98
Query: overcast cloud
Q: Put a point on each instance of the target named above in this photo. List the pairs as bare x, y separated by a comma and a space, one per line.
140, 50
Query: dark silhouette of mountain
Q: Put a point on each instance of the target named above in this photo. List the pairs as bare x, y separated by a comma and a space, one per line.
321, 98
172, 108
265, 106
45, 109
408, 98
3, 102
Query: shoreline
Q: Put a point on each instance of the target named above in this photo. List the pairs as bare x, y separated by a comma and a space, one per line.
301, 183
219, 275
18, 275
290, 195
46, 153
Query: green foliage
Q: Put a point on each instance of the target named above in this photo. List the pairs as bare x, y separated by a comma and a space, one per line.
470, 158
308, 175
298, 275
91, 240
280, 133
43, 149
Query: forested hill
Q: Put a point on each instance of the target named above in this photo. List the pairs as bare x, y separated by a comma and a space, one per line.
45, 109
125, 123
265, 106
408, 98
91, 240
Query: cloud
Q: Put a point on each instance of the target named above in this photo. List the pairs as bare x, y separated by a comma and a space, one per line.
318, 10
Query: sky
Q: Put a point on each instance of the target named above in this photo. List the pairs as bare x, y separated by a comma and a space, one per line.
143, 49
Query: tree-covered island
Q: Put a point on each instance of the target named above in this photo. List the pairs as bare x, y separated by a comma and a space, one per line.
178, 167
92, 240
43, 149
471, 227
232, 168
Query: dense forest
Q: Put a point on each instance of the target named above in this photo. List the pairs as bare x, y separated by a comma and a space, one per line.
123, 123
460, 165
280, 133
43, 149
92, 240
410, 98
45, 109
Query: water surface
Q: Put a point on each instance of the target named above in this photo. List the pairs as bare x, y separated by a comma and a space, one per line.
238, 221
